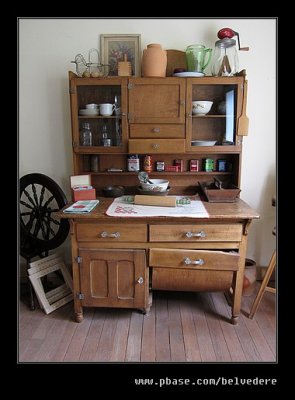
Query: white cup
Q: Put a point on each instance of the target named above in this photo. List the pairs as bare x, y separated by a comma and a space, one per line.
106, 109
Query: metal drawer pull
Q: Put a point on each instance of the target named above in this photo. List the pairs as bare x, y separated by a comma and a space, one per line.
104, 234
201, 234
140, 280
188, 261
156, 130
155, 145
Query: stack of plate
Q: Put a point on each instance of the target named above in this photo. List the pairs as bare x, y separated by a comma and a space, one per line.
89, 111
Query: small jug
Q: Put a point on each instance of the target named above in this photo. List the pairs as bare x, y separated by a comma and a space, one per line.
197, 57
154, 61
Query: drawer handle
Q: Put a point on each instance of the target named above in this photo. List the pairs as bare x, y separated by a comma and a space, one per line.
156, 130
188, 261
140, 280
155, 145
201, 234
105, 234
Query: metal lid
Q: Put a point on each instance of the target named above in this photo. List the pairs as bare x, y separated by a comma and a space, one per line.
225, 43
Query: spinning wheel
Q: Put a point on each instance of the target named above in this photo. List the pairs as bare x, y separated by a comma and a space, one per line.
40, 232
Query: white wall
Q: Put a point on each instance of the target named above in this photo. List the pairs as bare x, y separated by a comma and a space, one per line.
46, 48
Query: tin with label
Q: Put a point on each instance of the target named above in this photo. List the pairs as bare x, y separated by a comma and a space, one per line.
208, 164
221, 165
133, 162
194, 165
160, 166
179, 163
147, 163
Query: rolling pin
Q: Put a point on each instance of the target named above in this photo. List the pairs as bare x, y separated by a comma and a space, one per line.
146, 200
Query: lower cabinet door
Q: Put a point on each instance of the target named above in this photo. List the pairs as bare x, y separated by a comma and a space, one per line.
114, 278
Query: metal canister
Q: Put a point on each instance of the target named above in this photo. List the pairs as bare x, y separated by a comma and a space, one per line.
194, 165
221, 165
179, 163
160, 166
147, 163
208, 164
133, 162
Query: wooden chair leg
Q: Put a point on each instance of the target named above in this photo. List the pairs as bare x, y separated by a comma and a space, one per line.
264, 284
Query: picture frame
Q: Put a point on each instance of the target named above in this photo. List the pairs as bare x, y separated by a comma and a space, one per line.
114, 46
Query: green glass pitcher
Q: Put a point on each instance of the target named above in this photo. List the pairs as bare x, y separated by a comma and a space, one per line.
197, 57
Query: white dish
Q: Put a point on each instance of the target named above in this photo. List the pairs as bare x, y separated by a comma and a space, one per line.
89, 111
203, 142
189, 74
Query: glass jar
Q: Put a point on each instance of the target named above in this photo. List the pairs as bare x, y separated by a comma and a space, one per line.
225, 58
105, 136
86, 135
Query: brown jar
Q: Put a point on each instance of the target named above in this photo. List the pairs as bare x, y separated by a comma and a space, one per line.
154, 61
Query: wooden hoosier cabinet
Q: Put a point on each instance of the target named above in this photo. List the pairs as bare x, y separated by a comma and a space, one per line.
118, 261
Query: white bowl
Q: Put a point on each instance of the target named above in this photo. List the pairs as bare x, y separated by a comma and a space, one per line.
201, 107
91, 106
158, 185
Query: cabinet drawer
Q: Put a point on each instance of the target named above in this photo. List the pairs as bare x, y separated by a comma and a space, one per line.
157, 131
196, 233
111, 233
156, 146
188, 280
193, 259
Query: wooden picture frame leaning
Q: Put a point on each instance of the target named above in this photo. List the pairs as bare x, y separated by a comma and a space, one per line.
58, 296
113, 47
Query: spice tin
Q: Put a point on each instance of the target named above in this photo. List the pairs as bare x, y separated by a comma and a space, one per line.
160, 166
133, 162
194, 165
180, 164
147, 163
221, 165
208, 164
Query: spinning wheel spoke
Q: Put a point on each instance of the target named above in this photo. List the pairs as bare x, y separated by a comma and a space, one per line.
35, 194
45, 236
25, 213
47, 223
26, 205
29, 197
29, 224
37, 228
54, 221
42, 196
48, 201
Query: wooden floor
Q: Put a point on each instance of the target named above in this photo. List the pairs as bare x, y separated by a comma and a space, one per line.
181, 327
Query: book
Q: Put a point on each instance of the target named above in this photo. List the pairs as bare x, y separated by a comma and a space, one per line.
81, 207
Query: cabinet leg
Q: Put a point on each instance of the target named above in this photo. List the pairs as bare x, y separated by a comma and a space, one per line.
79, 316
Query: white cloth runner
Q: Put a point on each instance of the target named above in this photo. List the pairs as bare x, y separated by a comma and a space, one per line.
121, 208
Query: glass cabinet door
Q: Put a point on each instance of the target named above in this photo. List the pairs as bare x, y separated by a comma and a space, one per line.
212, 115
106, 120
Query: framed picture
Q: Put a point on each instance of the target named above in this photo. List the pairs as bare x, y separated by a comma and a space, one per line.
114, 47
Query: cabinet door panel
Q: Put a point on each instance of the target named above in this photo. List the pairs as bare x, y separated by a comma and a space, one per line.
126, 278
157, 100
98, 278
114, 278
